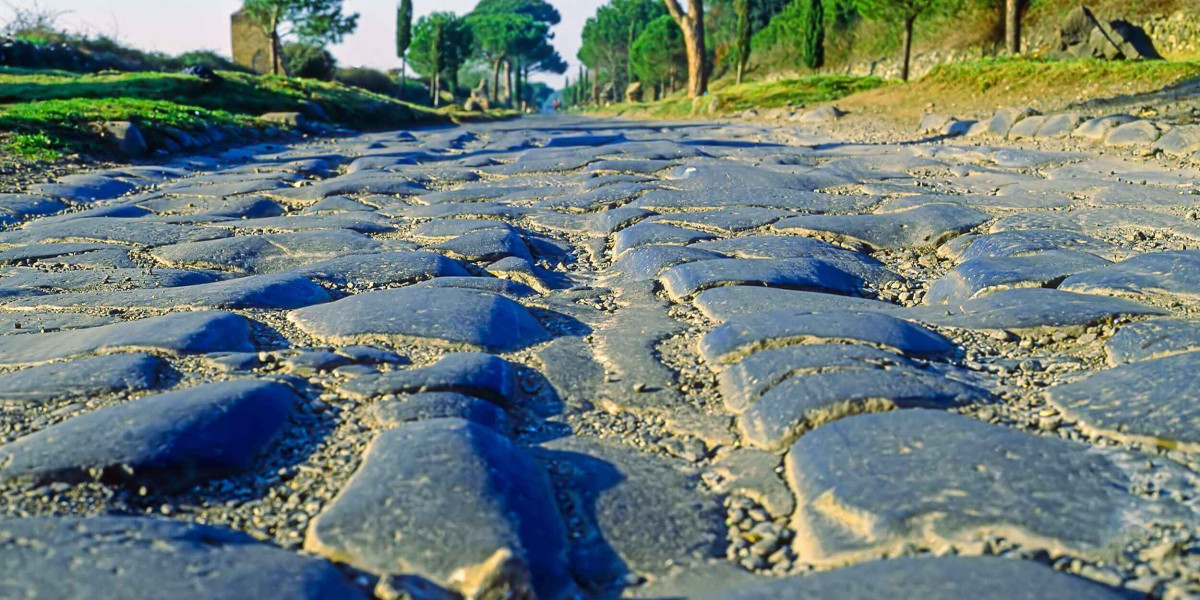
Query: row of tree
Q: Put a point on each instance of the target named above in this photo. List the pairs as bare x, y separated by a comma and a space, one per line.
655, 42
511, 37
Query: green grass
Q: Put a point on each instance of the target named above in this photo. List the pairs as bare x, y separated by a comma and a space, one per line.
69, 107
803, 91
34, 147
1034, 73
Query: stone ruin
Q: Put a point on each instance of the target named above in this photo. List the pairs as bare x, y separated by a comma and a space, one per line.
252, 47
1082, 35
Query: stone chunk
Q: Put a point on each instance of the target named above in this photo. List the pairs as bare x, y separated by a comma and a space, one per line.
266, 253
84, 377
683, 281
447, 317
454, 502
808, 401
723, 303
922, 227
742, 336
130, 557
982, 276
1152, 402
945, 578
792, 246
177, 333
647, 262
471, 373
1098, 128
869, 485
1028, 308
1134, 133
646, 233
486, 245
1157, 272
440, 405
172, 441
377, 270
271, 291
1181, 140
1155, 338
1025, 242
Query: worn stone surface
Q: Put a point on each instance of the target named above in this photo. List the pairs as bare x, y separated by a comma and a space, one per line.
921, 227
128, 557
82, 378
869, 484
1154, 338
442, 499
1028, 308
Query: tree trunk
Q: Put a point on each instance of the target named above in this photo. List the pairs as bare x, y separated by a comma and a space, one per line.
740, 67
596, 87
517, 84
908, 34
1012, 25
403, 77
507, 83
692, 24
437, 89
496, 81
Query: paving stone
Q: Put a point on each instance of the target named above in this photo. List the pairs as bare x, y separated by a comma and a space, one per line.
1028, 308
266, 253
685, 280
271, 291
1060, 125
171, 441
335, 204
177, 333
724, 220
1098, 128
982, 276
751, 196
1181, 140
1004, 119
440, 405
868, 485
1134, 133
1027, 127
514, 290
723, 303
648, 262
377, 270
84, 377
485, 245
921, 227
362, 182
128, 556
474, 374
1152, 401
31, 252
15, 208
1087, 222
1026, 242
606, 222
22, 282
1153, 273
363, 222
24, 323
86, 187
101, 229
1155, 338
446, 229
448, 317
805, 402
452, 501
607, 196
752, 473
214, 208
745, 381
631, 513
945, 578
645, 234
792, 246
742, 336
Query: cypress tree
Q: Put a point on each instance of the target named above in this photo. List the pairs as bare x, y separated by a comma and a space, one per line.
814, 34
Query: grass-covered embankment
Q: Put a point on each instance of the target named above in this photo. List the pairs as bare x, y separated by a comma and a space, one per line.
725, 99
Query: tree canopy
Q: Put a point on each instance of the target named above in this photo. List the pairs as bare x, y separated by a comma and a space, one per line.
658, 55
441, 43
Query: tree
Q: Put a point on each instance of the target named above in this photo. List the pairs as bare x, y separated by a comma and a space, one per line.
905, 12
441, 43
692, 24
514, 36
658, 54
309, 61
404, 15
813, 41
1014, 11
317, 22
608, 37
742, 55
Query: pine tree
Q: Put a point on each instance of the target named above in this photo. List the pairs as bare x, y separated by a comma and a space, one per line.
814, 34
404, 15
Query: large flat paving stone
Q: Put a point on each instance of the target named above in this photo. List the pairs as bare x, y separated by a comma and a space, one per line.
647, 262
177, 333
122, 231
1025, 242
471, 373
926, 226
19, 282
1154, 338
454, 502
440, 405
1175, 273
266, 253
982, 276
868, 485
271, 291
1153, 401
377, 270
742, 383
84, 377
794, 246
805, 402
485, 245
946, 578
723, 303
130, 558
447, 316
683, 281
172, 440
631, 513
1088, 221
1028, 308
741, 336
645, 233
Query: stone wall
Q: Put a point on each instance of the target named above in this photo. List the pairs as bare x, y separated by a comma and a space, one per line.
252, 47
1175, 34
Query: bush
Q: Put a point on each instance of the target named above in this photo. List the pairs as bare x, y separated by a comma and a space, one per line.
368, 79
309, 61
209, 59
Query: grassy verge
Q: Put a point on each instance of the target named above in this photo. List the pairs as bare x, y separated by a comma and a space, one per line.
727, 99
44, 113
977, 87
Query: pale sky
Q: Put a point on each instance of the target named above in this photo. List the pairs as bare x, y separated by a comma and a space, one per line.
176, 26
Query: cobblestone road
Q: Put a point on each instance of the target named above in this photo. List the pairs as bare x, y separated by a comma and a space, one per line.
561, 358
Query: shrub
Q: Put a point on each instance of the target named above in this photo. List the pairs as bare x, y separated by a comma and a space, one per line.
368, 79
309, 61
